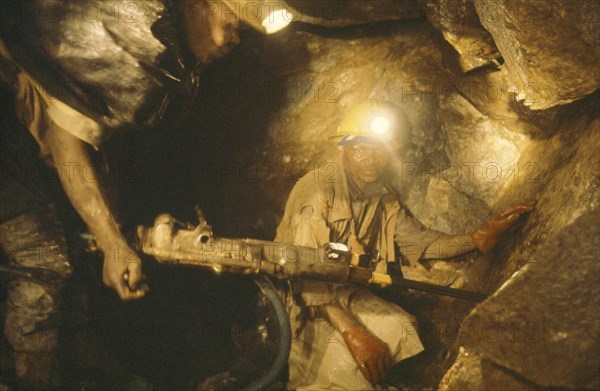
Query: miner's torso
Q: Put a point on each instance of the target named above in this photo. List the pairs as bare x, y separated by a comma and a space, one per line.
363, 219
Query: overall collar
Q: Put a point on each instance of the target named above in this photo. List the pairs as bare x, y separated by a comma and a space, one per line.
346, 191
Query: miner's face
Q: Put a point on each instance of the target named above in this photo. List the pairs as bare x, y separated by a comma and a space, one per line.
366, 162
211, 28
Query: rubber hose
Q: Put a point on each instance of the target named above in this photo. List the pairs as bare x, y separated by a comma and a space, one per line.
280, 362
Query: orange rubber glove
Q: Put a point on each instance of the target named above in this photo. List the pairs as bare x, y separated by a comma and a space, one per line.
487, 237
370, 353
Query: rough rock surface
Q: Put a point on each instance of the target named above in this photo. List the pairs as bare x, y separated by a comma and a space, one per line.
470, 373
479, 169
458, 21
562, 174
543, 325
551, 47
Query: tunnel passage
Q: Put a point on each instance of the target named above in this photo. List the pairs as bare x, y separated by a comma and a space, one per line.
494, 122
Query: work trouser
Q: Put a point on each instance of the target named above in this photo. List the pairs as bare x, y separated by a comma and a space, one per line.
34, 248
319, 358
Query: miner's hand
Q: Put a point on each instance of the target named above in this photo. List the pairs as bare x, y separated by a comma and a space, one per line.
487, 237
122, 271
90, 202
370, 353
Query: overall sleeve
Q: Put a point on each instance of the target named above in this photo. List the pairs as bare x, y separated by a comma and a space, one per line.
412, 237
37, 109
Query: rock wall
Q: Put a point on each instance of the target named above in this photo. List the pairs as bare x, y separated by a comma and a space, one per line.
540, 328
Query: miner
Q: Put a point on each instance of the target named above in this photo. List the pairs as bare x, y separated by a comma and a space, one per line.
349, 338
82, 70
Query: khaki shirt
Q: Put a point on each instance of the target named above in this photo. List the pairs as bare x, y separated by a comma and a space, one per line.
320, 210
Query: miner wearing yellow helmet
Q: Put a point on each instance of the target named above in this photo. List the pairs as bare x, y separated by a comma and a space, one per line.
353, 337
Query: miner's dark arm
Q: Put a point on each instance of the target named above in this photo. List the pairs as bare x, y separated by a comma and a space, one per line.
91, 203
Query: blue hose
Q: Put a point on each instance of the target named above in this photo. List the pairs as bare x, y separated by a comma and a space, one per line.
280, 362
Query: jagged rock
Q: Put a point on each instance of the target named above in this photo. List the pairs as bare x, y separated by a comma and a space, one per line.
447, 208
550, 48
489, 91
543, 325
482, 152
458, 21
472, 373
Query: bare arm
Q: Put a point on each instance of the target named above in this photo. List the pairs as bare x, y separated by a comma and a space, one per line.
81, 184
370, 353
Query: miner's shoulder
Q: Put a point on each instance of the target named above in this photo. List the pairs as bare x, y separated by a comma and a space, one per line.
320, 180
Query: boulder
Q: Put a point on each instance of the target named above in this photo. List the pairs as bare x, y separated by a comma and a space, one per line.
542, 325
550, 47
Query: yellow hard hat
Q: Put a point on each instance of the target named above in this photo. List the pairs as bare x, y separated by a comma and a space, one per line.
372, 119
266, 16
